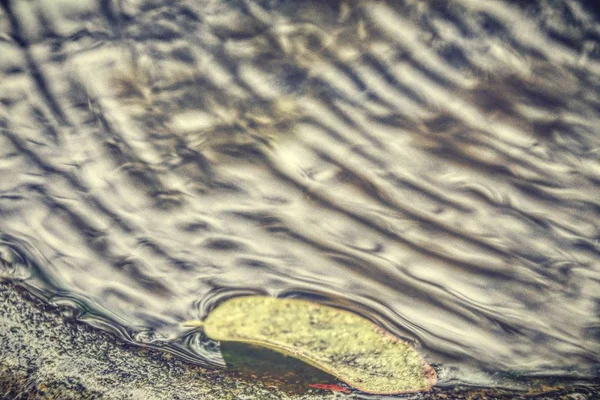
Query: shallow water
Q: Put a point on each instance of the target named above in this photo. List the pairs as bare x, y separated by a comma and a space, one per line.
431, 165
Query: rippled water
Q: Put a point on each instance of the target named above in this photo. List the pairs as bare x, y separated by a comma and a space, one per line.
431, 165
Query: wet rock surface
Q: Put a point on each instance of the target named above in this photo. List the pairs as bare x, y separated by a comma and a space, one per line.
47, 356
44, 355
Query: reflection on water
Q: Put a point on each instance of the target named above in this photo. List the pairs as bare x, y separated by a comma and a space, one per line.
431, 165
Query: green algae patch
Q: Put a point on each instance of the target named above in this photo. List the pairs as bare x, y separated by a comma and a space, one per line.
341, 343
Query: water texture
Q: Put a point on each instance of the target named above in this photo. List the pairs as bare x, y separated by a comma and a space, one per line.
431, 165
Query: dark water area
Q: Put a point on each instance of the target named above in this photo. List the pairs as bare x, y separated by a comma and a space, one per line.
431, 165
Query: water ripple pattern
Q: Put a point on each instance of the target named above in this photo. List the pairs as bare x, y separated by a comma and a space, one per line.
432, 165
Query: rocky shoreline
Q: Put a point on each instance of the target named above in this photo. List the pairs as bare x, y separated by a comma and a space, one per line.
45, 355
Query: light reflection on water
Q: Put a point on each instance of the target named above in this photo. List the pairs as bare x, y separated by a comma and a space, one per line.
431, 165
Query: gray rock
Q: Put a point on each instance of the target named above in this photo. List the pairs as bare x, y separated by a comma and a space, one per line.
45, 355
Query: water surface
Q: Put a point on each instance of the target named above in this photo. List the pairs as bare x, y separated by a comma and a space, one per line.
433, 166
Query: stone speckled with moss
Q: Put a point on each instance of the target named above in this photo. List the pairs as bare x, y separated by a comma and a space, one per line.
341, 343
44, 356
